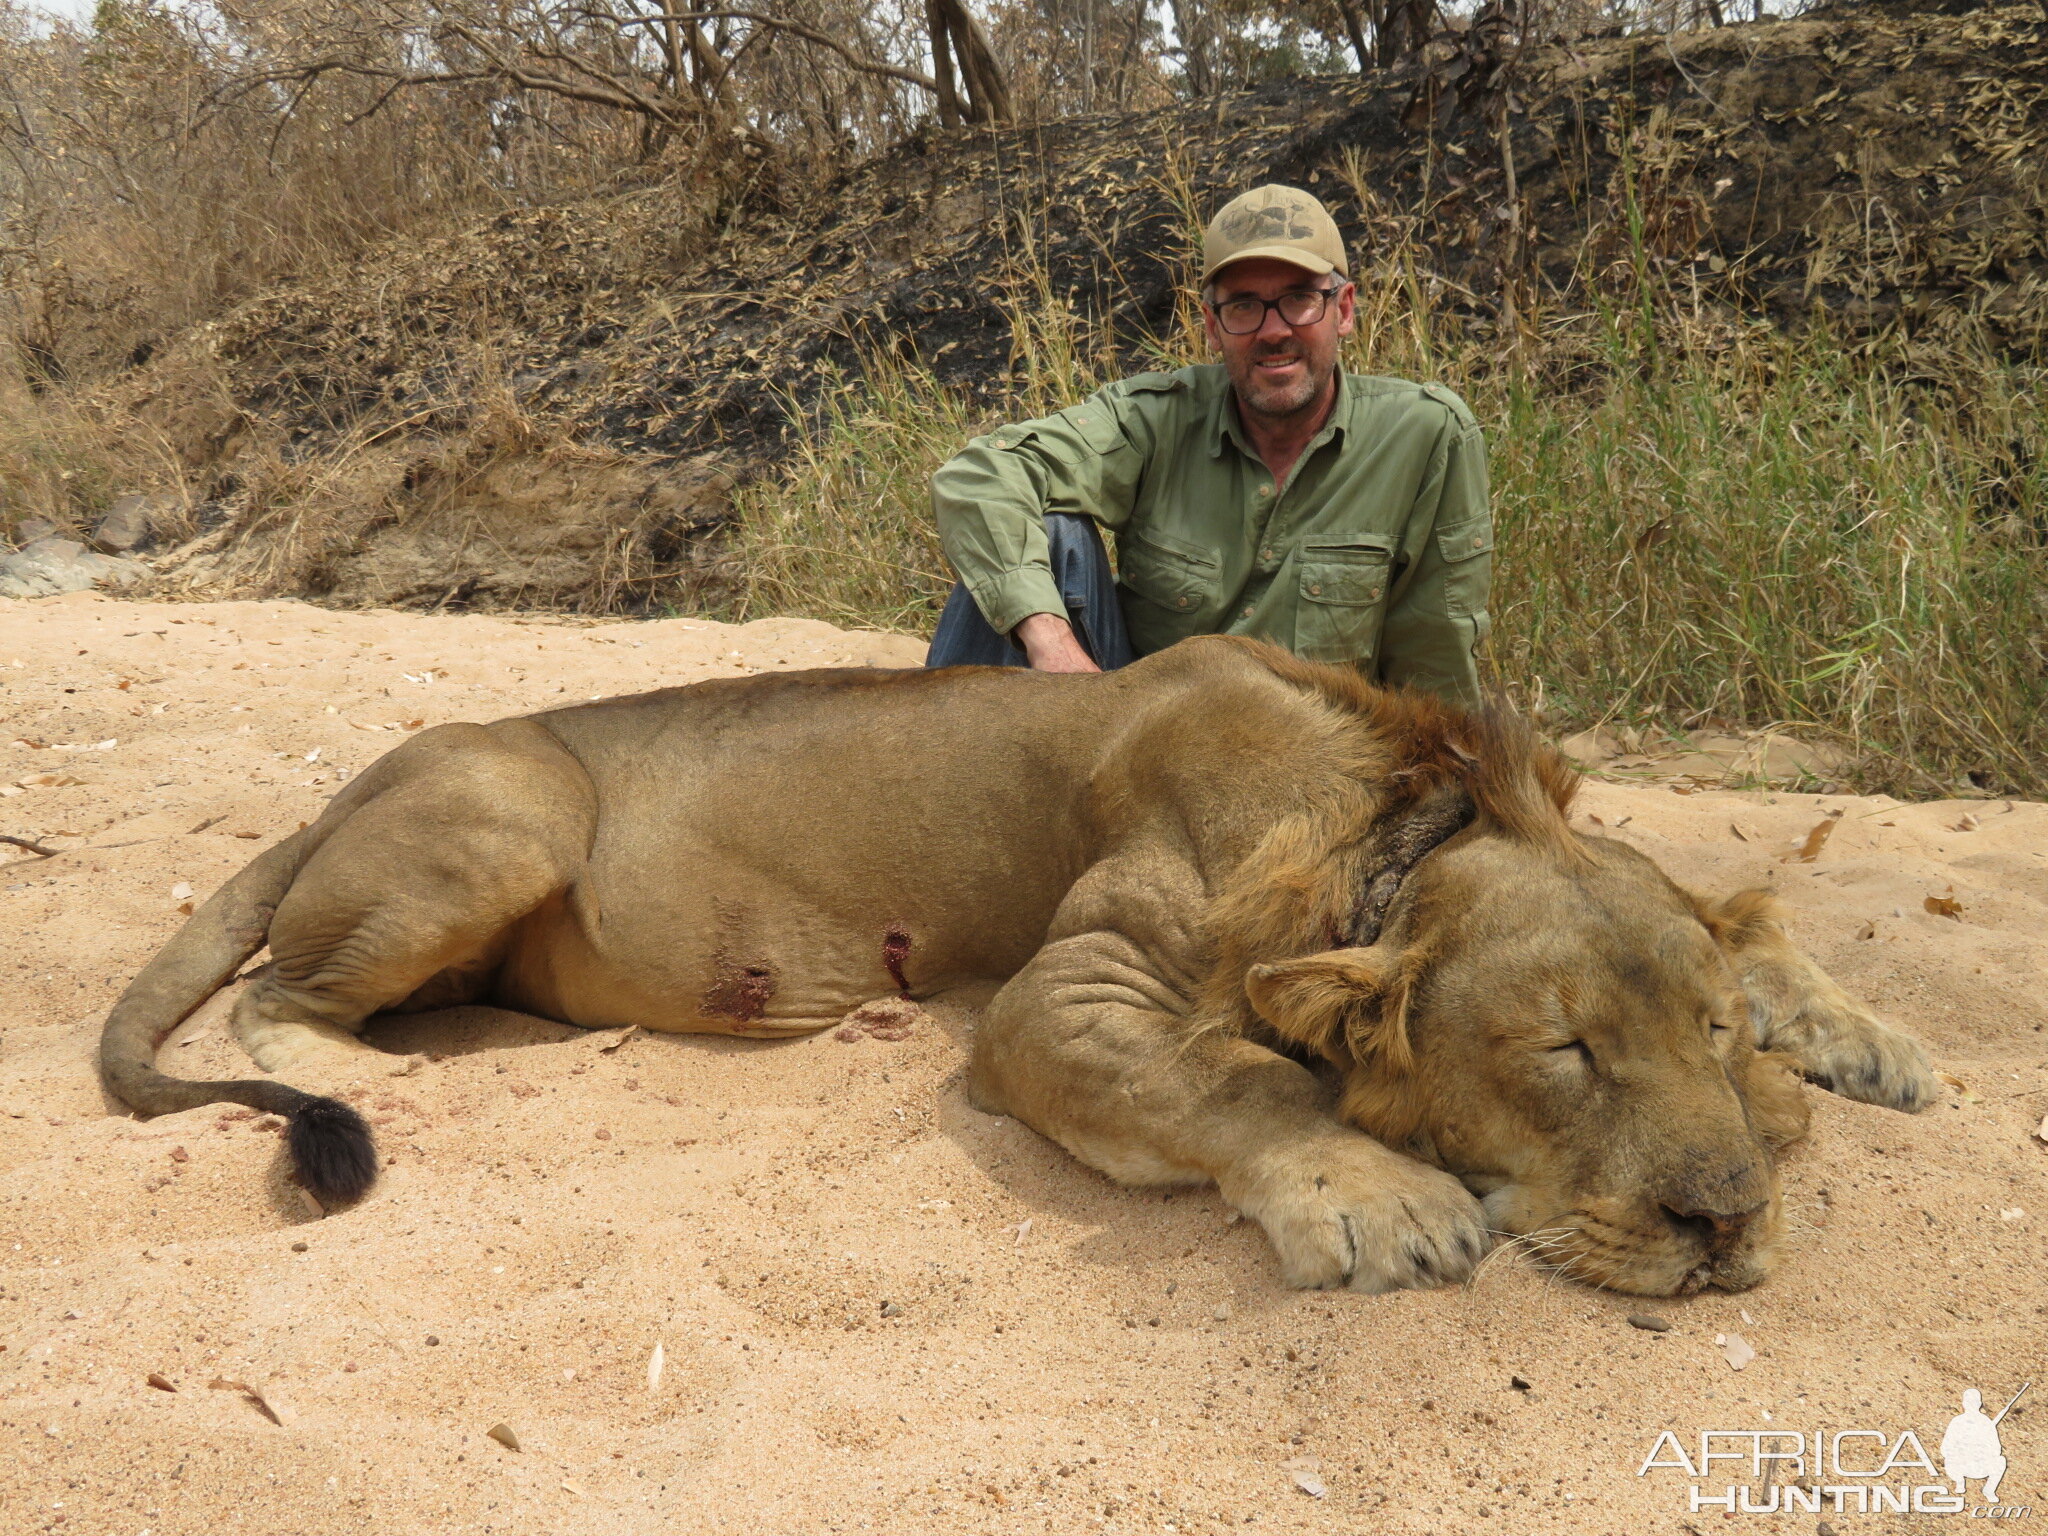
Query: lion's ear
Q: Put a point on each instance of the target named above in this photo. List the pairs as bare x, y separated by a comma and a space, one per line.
1353, 1001
1743, 921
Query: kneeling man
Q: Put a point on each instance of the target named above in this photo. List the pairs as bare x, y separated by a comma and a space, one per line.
1274, 495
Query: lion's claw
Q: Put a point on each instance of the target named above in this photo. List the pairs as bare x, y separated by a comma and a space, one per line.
1351, 1214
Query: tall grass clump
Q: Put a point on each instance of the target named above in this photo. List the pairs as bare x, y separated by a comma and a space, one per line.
845, 533
1734, 529
1787, 533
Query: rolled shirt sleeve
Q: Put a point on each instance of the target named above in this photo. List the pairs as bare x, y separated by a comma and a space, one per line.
990, 500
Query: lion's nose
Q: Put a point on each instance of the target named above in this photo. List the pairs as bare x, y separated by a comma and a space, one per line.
1716, 1230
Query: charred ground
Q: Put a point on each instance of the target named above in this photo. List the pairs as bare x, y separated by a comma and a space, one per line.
549, 408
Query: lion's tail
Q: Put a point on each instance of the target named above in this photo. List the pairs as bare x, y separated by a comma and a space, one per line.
330, 1145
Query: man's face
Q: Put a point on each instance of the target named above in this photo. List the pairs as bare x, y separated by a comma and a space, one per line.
1280, 370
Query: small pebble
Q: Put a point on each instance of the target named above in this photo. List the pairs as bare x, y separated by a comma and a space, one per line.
433, 1338
502, 1433
891, 1309
1518, 1383
298, 1247
1650, 1322
1222, 1312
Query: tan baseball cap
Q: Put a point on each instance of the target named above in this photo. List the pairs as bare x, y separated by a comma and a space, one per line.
1284, 223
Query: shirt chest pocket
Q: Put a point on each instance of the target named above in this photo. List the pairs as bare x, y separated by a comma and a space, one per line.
1179, 577
1341, 596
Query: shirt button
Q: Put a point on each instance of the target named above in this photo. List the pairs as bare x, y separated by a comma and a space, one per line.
1315, 591
1181, 602
1479, 543
1246, 614
1265, 554
1265, 490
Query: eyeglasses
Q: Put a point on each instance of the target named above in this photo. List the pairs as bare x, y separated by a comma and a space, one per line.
1246, 316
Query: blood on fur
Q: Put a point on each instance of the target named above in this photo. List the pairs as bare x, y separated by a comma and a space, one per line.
895, 951
739, 992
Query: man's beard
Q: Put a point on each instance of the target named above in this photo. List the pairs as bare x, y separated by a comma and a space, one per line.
1259, 396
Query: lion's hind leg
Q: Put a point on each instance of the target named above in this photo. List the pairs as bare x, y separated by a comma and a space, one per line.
413, 895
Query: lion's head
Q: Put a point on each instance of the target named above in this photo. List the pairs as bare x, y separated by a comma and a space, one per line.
1561, 1026
1544, 1014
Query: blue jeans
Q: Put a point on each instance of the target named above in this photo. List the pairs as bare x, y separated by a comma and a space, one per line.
1080, 569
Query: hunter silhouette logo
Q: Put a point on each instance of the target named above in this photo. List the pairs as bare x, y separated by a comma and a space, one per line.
1273, 222
1845, 1471
1970, 1446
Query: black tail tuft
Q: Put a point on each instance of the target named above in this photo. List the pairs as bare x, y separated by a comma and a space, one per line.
331, 1149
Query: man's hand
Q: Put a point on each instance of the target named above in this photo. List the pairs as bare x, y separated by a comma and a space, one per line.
1049, 641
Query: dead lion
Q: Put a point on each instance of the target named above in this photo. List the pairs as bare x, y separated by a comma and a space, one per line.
1331, 948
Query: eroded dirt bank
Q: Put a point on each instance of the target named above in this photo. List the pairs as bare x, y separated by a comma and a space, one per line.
878, 1309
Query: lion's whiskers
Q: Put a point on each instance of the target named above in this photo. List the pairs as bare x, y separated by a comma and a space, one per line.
1514, 1244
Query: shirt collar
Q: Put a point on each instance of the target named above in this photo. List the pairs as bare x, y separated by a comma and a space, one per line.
1224, 426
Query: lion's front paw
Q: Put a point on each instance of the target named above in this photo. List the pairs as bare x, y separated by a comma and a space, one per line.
1836, 1041
1351, 1213
1863, 1059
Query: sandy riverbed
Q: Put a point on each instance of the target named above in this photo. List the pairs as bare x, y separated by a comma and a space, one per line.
1057, 1355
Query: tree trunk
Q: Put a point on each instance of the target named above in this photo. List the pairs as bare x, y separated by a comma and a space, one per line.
1087, 55
938, 23
1355, 30
987, 92
982, 95
1190, 24
1405, 30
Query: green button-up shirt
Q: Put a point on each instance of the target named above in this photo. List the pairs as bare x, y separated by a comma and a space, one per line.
1375, 550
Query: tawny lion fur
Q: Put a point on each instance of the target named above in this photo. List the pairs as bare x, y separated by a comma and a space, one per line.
1257, 923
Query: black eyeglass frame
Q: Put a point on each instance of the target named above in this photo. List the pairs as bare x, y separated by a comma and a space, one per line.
1321, 296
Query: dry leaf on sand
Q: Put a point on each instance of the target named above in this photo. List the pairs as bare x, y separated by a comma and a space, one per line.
267, 1398
1944, 906
1816, 840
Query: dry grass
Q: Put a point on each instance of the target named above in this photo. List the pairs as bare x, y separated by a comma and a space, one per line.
1730, 527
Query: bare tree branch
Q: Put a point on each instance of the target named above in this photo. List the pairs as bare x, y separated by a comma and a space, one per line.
795, 29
